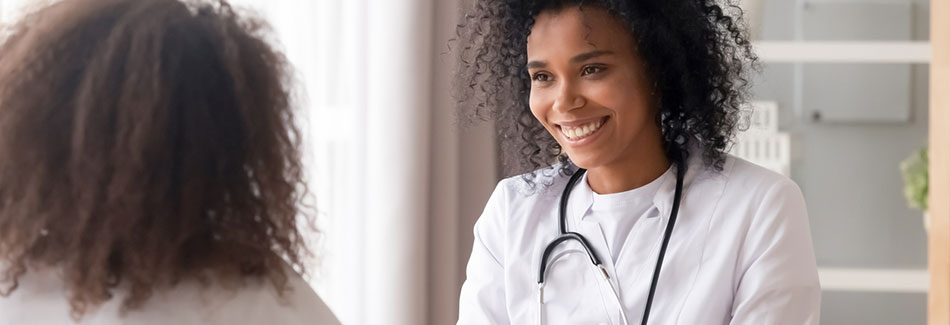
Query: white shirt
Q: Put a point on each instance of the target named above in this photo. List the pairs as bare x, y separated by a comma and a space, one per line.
617, 213
41, 300
740, 253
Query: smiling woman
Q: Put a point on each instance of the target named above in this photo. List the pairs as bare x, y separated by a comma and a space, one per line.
643, 217
592, 92
694, 55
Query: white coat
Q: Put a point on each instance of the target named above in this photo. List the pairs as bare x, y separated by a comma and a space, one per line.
740, 253
42, 299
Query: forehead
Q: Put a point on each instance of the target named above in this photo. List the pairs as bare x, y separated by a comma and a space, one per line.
578, 28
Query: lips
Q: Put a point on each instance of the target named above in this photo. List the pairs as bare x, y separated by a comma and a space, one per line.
581, 130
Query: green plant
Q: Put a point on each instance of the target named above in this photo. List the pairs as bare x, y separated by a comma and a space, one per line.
914, 172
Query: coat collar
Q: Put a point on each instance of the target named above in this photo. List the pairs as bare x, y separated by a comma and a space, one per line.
582, 197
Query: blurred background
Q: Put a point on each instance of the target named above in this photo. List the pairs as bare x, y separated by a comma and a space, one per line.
841, 100
849, 83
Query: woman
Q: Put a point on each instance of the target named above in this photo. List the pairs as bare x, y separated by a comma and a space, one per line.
151, 170
643, 95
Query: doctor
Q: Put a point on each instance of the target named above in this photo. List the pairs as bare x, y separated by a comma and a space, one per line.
663, 227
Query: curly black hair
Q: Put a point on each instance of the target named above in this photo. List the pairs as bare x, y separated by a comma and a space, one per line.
147, 142
697, 52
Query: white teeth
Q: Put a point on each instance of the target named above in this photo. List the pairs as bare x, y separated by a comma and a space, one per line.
577, 132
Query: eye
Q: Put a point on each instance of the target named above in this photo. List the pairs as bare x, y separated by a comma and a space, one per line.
541, 77
591, 69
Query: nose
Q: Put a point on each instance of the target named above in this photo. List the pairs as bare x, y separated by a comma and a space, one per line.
568, 98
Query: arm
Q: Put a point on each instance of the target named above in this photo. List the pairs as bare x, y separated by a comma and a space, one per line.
779, 283
482, 298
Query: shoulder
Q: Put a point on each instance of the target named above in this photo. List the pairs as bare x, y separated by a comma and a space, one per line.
42, 297
519, 199
253, 301
543, 182
766, 198
746, 195
529, 189
747, 179
259, 302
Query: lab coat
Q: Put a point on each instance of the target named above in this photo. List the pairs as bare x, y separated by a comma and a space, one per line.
740, 253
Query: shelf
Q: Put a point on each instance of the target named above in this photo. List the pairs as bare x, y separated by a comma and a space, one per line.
874, 280
843, 52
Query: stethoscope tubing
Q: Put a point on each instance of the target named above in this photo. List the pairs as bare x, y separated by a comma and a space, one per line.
564, 235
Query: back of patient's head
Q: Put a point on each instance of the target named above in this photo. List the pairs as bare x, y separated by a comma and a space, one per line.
144, 142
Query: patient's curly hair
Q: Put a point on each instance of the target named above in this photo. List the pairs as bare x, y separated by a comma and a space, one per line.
145, 142
696, 51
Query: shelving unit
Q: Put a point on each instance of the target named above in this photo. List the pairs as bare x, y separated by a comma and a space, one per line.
855, 279
893, 52
763, 144
874, 280
843, 52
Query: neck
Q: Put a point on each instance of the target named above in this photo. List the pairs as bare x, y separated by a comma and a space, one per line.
642, 168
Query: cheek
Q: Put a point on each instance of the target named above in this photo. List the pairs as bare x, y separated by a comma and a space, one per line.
539, 104
607, 94
624, 99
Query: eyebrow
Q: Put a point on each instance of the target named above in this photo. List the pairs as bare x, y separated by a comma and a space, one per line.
589, 55
576, 59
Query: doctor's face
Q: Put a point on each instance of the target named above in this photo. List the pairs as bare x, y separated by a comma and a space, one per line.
589, 87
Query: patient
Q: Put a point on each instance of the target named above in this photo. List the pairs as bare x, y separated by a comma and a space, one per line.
149, 169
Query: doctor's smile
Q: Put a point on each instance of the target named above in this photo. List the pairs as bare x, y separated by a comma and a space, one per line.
578, 133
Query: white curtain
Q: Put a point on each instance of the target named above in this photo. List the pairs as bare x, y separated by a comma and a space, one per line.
387, 162
324, 41
397, 164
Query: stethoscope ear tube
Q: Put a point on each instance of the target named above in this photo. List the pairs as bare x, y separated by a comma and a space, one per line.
562, 208
680, 171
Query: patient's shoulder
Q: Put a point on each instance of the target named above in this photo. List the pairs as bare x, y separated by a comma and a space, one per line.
41, 299
256, 302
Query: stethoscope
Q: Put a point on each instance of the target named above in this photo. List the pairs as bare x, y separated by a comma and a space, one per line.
564, 235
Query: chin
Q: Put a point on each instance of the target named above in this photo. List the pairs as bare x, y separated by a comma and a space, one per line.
584, 161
